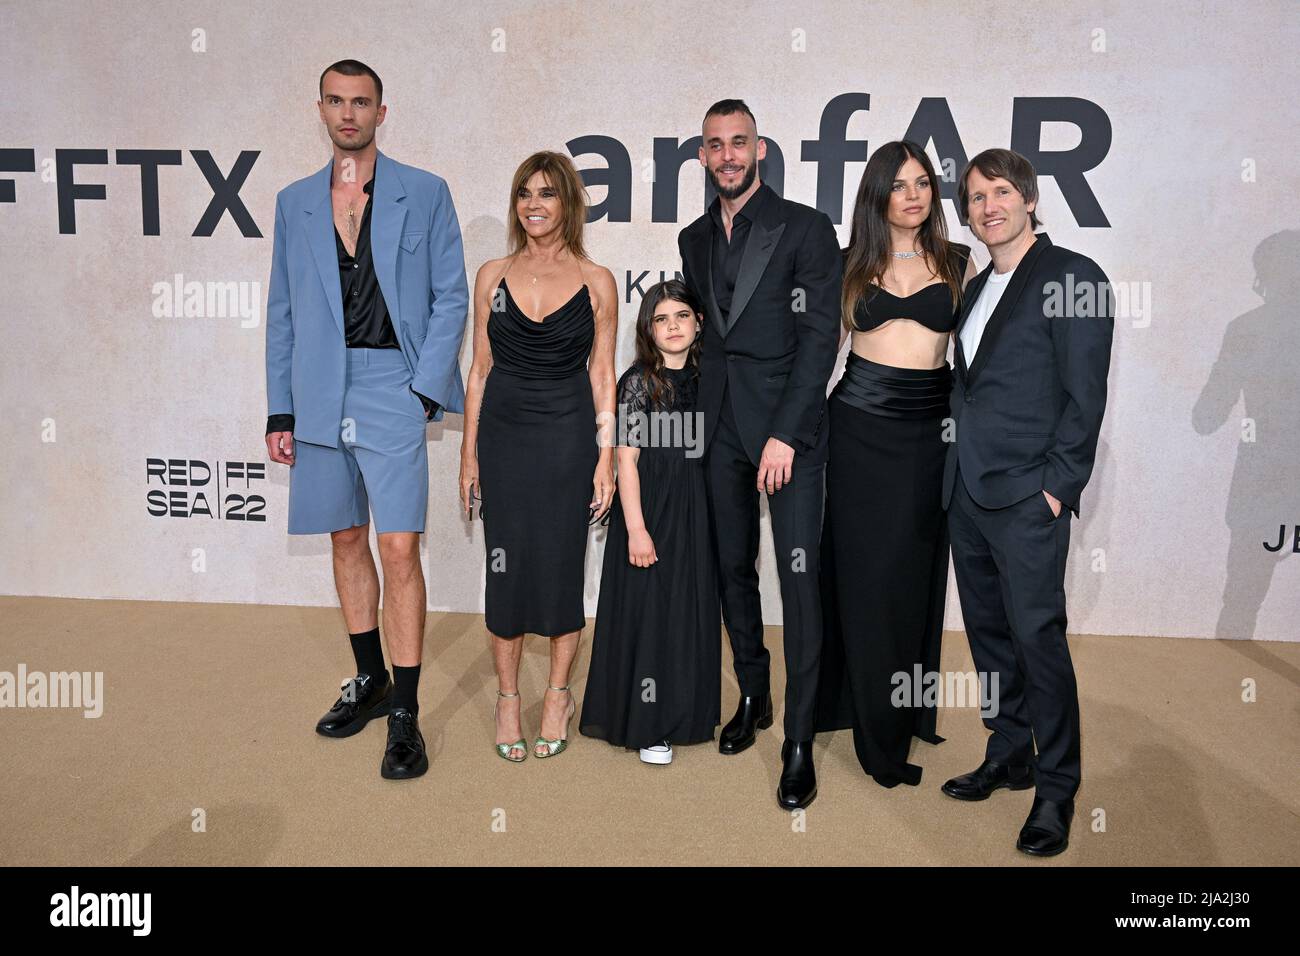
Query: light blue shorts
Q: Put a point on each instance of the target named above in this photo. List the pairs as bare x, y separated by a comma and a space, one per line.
381, 464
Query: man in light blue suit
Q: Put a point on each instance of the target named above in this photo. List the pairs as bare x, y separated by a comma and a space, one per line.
365, 315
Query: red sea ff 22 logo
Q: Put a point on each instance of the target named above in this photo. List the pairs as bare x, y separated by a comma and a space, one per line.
190, 488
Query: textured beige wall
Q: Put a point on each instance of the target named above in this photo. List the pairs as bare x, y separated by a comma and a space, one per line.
1192, 93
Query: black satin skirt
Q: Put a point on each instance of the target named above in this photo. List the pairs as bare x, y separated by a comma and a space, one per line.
895, 392
884, 560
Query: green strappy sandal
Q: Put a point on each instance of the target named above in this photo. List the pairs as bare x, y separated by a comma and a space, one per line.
553, 747
503, 750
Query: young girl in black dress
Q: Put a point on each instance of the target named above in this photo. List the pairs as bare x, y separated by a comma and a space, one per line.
656, 658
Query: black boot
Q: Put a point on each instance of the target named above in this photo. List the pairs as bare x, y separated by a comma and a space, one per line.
752, 714
364, 697
798, 786
404, 755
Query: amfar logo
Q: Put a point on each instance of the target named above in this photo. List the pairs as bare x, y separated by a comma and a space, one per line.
187, 482
831, 152
103, 909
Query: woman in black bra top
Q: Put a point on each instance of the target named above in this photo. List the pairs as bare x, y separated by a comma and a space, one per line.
884, 540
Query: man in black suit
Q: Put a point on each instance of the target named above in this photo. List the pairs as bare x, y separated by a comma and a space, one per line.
768, 271
1033, 354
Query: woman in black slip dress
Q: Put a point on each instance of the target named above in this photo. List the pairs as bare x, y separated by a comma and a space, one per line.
545, 321
884, 538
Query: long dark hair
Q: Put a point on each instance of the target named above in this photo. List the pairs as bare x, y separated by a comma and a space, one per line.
868, 256
648, 357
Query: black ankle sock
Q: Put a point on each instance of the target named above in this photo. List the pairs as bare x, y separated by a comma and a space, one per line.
406, 683
369, 654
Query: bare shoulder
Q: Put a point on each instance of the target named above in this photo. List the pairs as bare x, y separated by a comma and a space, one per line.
600, 281
490, 273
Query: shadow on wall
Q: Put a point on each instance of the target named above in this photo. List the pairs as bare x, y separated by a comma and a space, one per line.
1258, 363
484, 238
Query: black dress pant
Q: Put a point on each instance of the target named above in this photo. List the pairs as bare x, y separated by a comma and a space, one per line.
1010, 566
796, 513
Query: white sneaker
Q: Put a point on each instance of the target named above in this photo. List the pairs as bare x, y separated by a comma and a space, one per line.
660, 753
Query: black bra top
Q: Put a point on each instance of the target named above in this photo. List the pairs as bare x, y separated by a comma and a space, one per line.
931, 305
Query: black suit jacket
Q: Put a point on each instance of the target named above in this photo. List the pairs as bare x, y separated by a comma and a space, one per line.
775, 350
1028, 410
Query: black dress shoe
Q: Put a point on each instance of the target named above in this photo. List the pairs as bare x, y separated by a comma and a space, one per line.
404, 755
1047, 828
798, 786
988, 777
752, 714
364, 697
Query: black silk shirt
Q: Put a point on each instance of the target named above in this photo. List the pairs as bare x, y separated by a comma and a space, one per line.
727, 255
366, 323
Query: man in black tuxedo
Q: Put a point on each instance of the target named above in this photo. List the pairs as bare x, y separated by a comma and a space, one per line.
1033, 353
768, 271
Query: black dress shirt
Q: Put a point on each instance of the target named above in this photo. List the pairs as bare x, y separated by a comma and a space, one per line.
727, 254
366, 322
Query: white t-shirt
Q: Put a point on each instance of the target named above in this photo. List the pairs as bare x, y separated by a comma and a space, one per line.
973, 330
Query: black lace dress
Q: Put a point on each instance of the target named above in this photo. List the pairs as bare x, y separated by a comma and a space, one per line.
656, 658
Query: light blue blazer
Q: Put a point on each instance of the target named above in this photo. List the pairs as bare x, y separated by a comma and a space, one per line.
420, 264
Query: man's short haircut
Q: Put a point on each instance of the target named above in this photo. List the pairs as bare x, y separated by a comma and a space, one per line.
1002, 164
729, 107
353, 68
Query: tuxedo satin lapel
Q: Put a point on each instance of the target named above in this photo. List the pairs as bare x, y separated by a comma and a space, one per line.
971, 294
386, 222
1006, 304
758, 252
967, 303
319, 223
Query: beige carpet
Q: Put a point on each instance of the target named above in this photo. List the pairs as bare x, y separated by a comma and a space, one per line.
212, 707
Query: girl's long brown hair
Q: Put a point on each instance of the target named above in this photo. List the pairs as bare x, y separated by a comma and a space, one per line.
648, 356
868, 256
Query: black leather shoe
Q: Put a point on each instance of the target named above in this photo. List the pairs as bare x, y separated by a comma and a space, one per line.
1047, 829
798, 786
404, 755
363, 699
752, 715
989, 776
